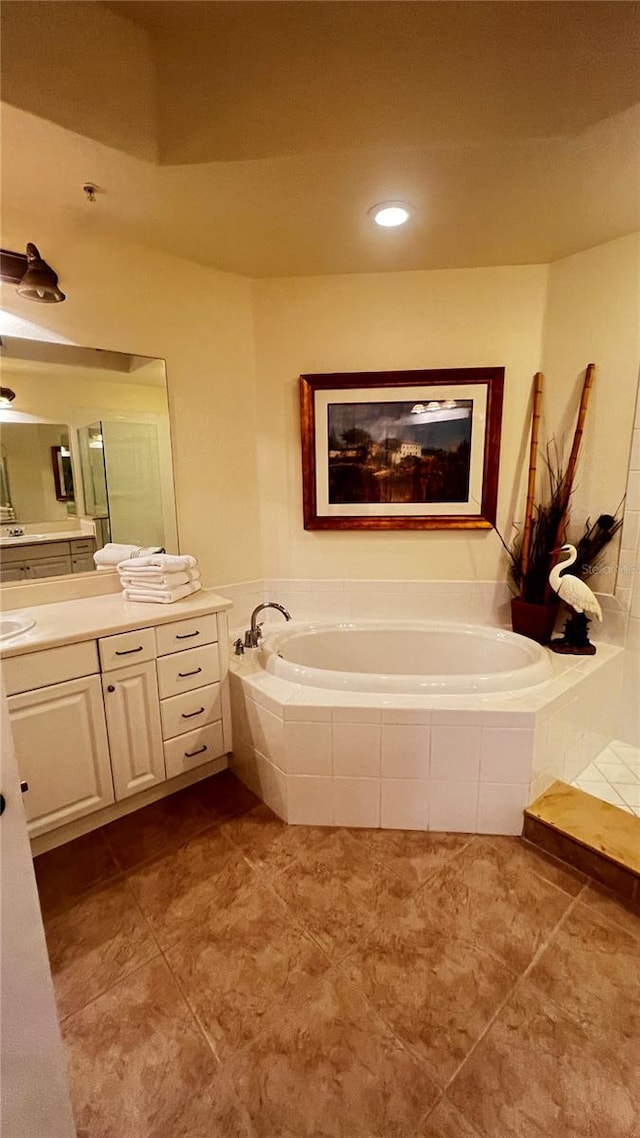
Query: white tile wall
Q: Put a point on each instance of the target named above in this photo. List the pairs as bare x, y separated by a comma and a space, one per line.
453, 806
455, 754
310, 801
403, 804
405, 751
307, 748
500, 807
356, 750
356, 802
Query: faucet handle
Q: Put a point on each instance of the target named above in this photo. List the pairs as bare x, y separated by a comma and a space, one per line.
259, 630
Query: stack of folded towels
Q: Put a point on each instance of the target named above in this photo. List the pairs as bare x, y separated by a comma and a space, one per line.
159, 577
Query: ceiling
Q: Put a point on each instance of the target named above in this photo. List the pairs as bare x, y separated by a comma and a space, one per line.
255, 137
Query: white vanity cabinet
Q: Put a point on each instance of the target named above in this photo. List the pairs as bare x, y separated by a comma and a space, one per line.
133, 725
30, 561
63, 756
106, 724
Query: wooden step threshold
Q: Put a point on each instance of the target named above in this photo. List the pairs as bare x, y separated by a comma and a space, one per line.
594, 836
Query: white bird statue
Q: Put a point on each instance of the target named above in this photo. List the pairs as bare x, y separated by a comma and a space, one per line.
570, 588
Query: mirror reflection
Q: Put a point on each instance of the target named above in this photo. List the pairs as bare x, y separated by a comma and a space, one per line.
85, 457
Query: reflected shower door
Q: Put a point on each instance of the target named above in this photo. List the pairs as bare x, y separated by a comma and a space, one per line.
134, 486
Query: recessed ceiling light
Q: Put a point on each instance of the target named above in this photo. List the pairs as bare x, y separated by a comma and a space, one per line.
390, 214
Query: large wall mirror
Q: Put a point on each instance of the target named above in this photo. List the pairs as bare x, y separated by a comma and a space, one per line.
85, 457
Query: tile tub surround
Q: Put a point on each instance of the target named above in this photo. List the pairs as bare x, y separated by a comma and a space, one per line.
353, 984
466, 602
614, 776
462, 764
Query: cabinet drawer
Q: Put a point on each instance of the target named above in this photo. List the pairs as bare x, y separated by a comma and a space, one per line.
184, 671
181, 634
191, 750
126, 648
43, 550
87, 545
51, 666
184, 713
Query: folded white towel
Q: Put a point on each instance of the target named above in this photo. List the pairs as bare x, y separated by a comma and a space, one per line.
158, 579
165, 562
112, 553
162, 596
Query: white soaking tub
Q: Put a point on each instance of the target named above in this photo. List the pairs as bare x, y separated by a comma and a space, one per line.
405, 657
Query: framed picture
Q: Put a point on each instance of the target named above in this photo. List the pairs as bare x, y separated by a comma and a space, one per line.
401, 449
62, 473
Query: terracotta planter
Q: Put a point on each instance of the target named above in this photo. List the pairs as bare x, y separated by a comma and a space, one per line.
535, 621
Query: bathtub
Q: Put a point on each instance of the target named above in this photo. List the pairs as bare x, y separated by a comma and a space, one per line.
420, 725
422, 657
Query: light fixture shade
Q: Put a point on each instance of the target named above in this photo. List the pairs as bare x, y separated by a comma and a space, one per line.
39, 283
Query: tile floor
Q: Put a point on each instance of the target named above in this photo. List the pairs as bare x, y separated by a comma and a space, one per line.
222, 975
614, 776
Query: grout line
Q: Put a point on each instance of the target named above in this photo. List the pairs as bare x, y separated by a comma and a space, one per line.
524, 975
110, 987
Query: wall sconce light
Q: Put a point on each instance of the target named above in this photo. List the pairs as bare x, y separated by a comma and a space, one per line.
6, 396
34, 278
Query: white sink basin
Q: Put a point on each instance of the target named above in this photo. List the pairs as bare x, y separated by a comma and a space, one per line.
14, 625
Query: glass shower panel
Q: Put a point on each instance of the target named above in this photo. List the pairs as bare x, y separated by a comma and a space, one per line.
94, 477
134, 485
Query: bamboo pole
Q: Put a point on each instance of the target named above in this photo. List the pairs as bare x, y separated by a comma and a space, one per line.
573, 459
531, 482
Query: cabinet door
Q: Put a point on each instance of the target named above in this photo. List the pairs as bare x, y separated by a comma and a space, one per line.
62, 751
48, 567
82, 563
13, 572
133, 723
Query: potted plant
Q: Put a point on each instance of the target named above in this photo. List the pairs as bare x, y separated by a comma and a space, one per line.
535, 608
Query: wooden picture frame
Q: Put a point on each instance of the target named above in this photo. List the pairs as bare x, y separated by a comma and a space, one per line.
62, 475
415, 449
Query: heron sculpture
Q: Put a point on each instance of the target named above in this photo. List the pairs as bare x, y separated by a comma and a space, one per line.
578, 597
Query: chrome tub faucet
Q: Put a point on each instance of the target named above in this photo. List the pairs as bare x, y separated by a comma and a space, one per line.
253, 634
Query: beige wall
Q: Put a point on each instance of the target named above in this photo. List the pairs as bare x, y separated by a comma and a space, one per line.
60, 397
592, 316
27, 448
135, 300
83, 67
236, 435
449, 318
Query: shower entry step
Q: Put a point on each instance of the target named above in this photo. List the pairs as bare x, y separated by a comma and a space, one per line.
594, 836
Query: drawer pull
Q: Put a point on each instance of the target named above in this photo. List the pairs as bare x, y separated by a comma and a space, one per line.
129, 651
183, 675
187, 635
190, 714
192, 754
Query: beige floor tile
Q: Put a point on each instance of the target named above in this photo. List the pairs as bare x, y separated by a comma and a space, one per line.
191, 884
70, 870
411, 854
224, 796
139, 1067
273, 845
592, 969
244, 963
323, 1066
155, 829
445, 1121
438, 996
538, 1073
337, 893
606, 904
96, 942
489, 896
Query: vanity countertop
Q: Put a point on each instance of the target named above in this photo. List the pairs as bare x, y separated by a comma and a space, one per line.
70, 622
42, 538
